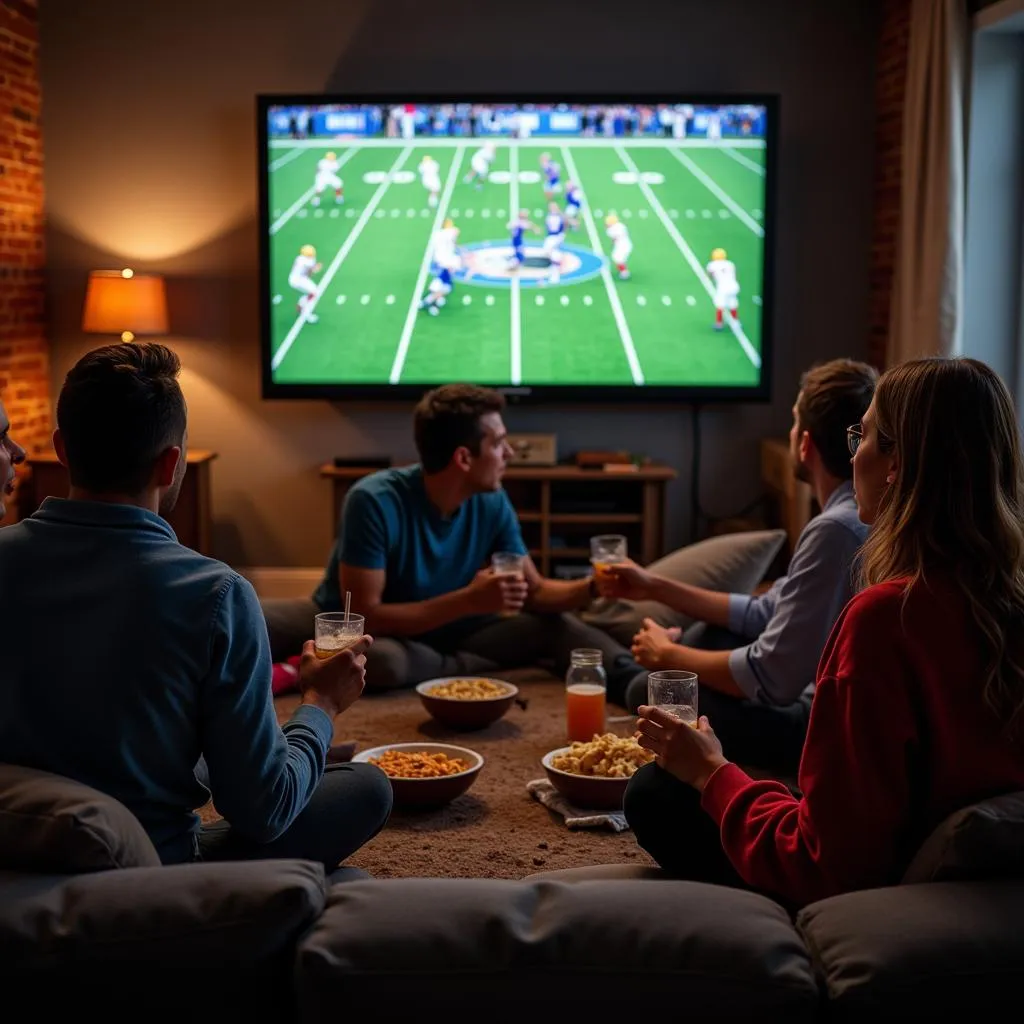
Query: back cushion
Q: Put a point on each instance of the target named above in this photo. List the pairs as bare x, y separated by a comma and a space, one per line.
985, 840
52, 825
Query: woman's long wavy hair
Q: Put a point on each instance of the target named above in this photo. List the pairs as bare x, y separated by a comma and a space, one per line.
957, 505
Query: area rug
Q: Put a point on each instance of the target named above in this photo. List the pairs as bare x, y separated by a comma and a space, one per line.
496, 830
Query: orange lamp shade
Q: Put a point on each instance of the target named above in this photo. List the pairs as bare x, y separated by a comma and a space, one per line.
123, 302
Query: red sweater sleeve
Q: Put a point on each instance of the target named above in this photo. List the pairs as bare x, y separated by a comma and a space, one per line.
846, 832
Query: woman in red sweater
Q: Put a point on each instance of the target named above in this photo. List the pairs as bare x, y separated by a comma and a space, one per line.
918, 706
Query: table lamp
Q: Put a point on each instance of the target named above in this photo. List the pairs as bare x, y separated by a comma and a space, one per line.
123, 302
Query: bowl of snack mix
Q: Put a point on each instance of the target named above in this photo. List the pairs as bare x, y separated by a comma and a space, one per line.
467, 702
425, 774
595, 774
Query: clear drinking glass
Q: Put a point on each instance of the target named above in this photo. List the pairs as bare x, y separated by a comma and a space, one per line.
508, 563
586, 688
334, 633
607, 549
675, 692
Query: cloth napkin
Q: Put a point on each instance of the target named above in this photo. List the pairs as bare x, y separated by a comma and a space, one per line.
575, 817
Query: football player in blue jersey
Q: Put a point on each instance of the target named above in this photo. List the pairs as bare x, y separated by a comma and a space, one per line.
517, 226
552, 176
573, 202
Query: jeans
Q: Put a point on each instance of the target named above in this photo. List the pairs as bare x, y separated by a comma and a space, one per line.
349, 807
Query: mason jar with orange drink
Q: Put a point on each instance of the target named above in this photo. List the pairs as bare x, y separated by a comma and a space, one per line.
586, 688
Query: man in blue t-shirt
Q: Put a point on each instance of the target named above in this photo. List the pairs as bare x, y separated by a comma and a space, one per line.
414, 549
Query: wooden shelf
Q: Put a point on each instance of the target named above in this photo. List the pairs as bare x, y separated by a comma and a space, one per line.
635, 503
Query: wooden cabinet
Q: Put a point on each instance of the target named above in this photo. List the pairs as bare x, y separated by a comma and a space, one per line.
562, 507
191, 519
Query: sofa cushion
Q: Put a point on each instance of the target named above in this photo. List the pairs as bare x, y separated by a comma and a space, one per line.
220, 934
733, 563
50, 824
985, 840
550, 950
919, 952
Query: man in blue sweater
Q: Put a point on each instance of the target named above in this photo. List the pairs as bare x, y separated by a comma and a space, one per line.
138, 659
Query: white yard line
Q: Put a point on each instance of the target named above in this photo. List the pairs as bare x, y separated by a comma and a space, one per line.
684, 248
613, 296
713, 187
732, 151
339, 258
306, 196
421, 277
534, 142
286, 159
516, 346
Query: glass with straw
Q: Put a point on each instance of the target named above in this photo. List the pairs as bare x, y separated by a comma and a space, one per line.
337, 631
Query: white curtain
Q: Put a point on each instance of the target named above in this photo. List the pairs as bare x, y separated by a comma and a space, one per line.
927, 302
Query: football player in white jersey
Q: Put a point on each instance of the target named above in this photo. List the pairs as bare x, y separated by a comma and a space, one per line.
327, 174
480, 164
430, 176
622, 244
722, 272
446, 259
300, 278
554, 227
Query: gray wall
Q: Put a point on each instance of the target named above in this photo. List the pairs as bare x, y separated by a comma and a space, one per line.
150, 160
995, 204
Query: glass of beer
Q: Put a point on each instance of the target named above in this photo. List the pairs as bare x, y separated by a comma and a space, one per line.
335, 632
607, 549
585, 694
675, 692
507, 563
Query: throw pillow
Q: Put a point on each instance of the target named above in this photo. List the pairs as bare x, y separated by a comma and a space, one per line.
733, 563
985, 840
53, 825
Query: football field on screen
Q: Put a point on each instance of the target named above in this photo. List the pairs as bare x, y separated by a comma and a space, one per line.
678, 199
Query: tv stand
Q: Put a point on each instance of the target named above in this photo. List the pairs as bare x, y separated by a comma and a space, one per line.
561, 507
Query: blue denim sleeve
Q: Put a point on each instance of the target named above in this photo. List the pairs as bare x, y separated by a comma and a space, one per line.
261, 776
783, 661
748, 615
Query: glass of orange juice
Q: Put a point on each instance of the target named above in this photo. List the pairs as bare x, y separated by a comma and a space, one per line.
586, 688
334, 632
607, 549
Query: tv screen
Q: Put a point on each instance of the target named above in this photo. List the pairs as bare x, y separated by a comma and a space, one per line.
585, 248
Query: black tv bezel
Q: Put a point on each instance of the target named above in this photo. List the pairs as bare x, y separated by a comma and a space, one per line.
582, 394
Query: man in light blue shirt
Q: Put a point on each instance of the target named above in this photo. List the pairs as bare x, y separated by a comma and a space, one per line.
756, 657
137, 658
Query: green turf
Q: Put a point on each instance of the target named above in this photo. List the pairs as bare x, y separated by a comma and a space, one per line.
568, 334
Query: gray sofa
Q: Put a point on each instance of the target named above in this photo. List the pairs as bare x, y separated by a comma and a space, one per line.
88, 919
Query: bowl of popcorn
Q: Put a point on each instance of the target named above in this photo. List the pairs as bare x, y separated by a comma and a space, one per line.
467, 702
594, 775
425, 774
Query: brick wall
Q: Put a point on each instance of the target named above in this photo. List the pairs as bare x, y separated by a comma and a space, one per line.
24, 370
890, 84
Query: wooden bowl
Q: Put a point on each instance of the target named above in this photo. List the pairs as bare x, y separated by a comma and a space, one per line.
588, 792
466, 714
429, 792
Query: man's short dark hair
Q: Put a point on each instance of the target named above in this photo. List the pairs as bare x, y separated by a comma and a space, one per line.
120, 407
833, 396
448, 418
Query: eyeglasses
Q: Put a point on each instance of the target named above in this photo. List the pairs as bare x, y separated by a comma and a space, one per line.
854, 436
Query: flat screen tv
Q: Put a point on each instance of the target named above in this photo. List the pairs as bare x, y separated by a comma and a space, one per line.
577, 248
